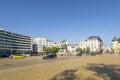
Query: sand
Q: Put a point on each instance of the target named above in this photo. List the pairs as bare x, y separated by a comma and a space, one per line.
100, 67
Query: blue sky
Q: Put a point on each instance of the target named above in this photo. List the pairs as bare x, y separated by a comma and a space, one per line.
74, 20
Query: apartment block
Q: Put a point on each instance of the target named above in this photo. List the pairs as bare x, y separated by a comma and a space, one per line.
38, 44
93, 42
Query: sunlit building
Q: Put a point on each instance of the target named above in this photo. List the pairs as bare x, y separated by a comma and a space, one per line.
38, 44
14, 43
93, 42
116, 45
72, 48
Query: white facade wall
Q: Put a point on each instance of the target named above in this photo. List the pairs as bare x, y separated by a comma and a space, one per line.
93, 44
105, 48
72, 48
114, 44
40, 42
58, 44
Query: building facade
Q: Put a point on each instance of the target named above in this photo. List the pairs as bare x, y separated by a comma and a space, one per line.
14, 43
64, 48
72, 48
107, 49
93, 42
116, 45
38, 44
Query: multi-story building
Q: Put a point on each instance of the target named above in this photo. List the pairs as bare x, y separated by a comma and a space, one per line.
63, 48
14, 43
93, 42
38, 44
72, 48
116, 45
107, 49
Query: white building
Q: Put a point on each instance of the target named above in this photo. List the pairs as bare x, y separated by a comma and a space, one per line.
114, 43
38, 44
72, 48
106, 48
93, 42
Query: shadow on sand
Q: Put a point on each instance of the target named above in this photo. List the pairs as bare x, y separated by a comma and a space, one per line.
66, 75
102, 71
106, 72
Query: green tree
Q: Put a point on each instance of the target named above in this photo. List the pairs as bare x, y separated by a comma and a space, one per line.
107, 51
84, 50
54, 49
79, 50
45, 49
88, 49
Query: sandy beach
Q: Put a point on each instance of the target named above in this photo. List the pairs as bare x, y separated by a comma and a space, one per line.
99, 67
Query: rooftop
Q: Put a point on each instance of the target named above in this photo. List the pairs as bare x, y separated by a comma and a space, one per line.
116, 39
94, 37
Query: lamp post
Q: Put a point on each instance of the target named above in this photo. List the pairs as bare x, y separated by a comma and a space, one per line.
11, 49
11, 44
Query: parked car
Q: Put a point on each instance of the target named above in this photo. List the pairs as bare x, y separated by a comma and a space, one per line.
93, 53
27, 55
17, 57
79, 54
5, 55
50, 56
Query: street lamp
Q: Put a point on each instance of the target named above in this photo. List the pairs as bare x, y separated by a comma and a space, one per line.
11, 49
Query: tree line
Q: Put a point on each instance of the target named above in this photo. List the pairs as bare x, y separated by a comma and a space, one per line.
50, 49
83, 50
